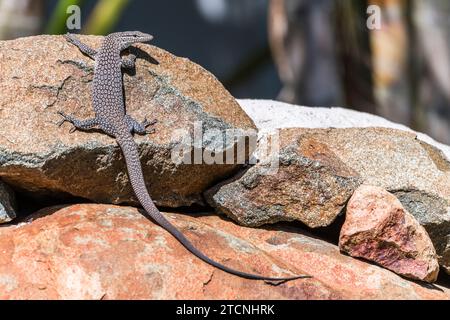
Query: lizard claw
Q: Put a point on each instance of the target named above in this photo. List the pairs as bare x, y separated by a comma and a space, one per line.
69, 37
64, 119
147, 123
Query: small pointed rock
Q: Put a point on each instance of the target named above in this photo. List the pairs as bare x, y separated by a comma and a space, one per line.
378, 228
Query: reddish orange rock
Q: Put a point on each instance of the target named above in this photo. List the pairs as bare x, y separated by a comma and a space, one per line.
109, 252
379, 229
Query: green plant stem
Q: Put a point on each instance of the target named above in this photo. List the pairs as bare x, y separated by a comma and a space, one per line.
57, 22
104, 16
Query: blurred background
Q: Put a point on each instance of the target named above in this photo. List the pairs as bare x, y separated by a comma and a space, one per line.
308, 52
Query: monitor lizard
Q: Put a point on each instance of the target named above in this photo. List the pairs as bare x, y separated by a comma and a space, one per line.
111, 118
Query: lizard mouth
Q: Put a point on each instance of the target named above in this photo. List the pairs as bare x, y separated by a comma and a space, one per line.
145, 37
142, 37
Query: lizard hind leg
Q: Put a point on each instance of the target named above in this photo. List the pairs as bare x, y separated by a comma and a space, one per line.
139, 127
77, 123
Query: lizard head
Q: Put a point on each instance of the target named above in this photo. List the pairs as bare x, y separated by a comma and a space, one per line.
127, 38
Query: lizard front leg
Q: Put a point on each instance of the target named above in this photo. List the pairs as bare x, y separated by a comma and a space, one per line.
139, 127
83, 47
77, 123
129, 61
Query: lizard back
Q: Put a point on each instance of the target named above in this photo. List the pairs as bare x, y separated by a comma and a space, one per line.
107, 93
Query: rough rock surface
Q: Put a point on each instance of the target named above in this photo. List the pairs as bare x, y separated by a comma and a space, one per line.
310, 185
110, 252
43, 74
7, 203
410, 165
379, 229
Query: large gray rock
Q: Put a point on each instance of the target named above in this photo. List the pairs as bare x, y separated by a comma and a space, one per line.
43, 74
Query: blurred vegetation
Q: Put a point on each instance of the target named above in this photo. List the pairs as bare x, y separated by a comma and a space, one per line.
101, 20
57, 21
104, 17
324, 53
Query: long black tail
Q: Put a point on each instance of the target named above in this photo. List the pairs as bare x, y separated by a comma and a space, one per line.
130, 152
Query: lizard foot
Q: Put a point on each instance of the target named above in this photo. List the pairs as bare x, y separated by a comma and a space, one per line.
139, 127
69, 37
77, 124
146, 123
65, 118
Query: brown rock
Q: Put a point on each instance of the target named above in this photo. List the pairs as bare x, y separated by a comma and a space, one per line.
311, 185
379, 229
43, 74
109, 252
